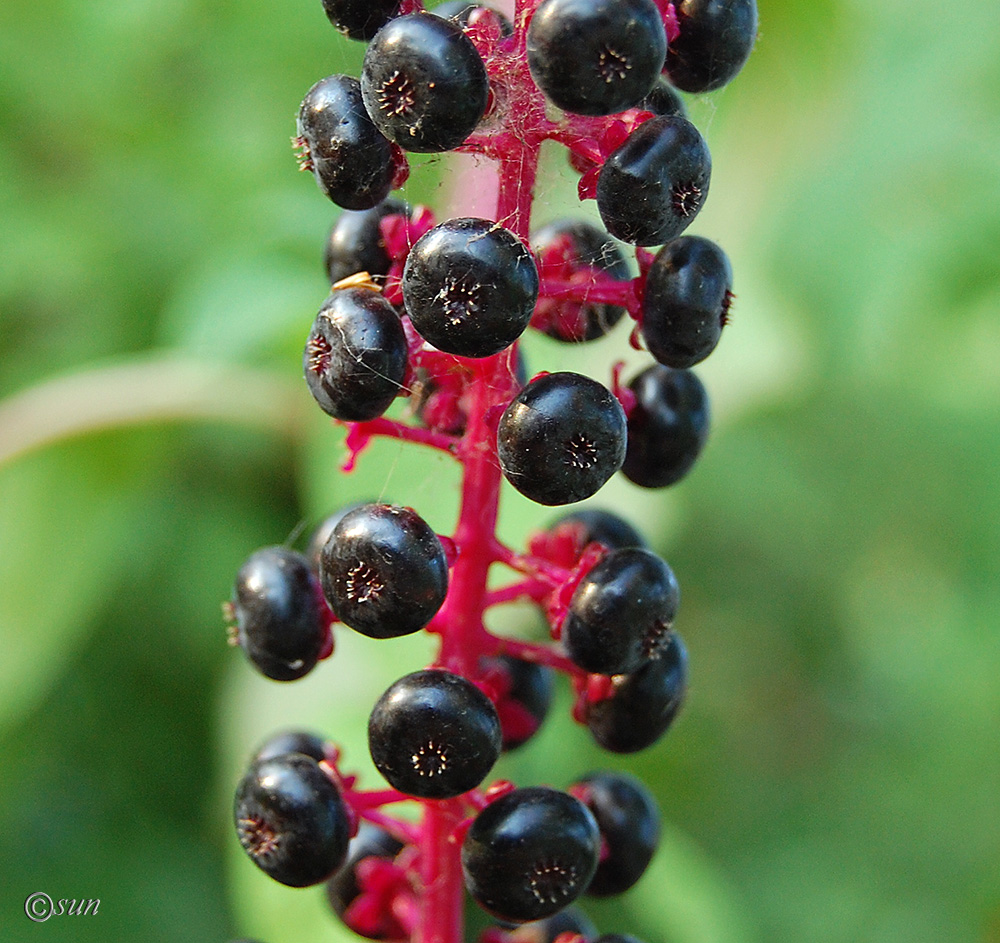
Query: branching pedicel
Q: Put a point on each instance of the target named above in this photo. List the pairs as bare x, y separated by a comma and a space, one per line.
434, 311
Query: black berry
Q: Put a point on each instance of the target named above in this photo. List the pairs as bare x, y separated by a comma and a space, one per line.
354, 165
621, 612
355, 243
291, 820
573, 250
524, 695
667, 427
424, 84
591, 525
434, 734
596, 57
561, 438
629, 821
651, 188
384, 571
569, 920
293, 741
663, 99
469, 287
281, 624
715, 40
686, 301
467, 14
530, 853
356, 356
360, 19
642, 705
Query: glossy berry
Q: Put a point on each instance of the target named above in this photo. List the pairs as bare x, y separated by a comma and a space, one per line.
629, 821
423, 83
354, 165
281, 623
433, 734
523, 696
475, 15
642, 705
561, 438
663, 99
293, 741
715, 40
667, 427
593, 525
651, 188
360, 19
569, 920
596, 57
621, 612
686, 301
530, 853
344, 888
384, 571
291, 820
469, 287
319, 537
576, 251
355, 243
356, 355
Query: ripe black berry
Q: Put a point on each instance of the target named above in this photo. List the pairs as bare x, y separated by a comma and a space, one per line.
651, 188
621, 613
596, 57
715, 40
293, 741
686, 301
360, 19
569, 920
353, 163
591, 525
343, 888
524, 694
571, 250
356, 355
530, 853
466, 14
424, 84
667, 427
434, 734
280, 622
291, 820
384, 571
561, 438
642, 705
355, 243
319, 537
629, 821
469, 287
663, 100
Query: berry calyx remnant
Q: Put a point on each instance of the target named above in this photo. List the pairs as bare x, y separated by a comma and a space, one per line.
432, 311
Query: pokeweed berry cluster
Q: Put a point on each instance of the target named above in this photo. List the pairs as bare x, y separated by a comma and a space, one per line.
432, 312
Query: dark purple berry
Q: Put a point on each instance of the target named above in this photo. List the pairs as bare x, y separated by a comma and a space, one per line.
686, 301
355, 243
642, 705
569, 920
524, 695
596, 57
561, 438
715, 40
465, 14
281, 624
592, 525
384, 571
360, 19
319, 537
424, 83
356, 356
667, 427
343, 888
629, 821
572, 250
293, 741
353, 163
530, 853
651, 188
621, 613
663, 99
433, 734
469, 287
291, 820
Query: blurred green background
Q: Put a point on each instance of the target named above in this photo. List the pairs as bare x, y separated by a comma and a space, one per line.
835, 776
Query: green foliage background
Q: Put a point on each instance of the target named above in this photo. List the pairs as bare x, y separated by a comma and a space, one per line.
835, 777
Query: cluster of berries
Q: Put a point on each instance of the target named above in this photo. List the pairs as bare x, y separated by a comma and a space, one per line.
432, 311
